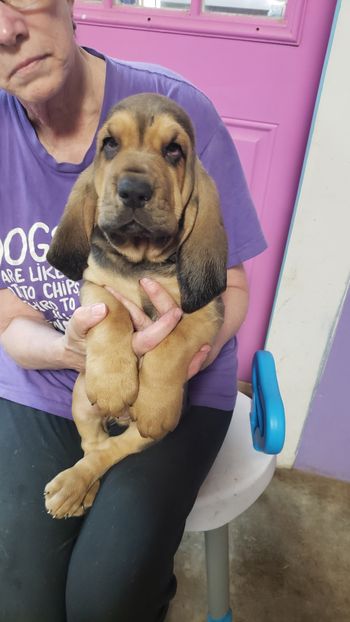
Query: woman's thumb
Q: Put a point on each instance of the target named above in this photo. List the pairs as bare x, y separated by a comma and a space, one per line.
88, 316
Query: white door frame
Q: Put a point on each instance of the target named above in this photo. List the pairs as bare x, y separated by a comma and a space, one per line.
315, 272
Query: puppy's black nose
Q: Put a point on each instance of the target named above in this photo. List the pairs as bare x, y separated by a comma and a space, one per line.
134, 192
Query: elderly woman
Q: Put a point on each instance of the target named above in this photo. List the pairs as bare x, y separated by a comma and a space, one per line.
116, 563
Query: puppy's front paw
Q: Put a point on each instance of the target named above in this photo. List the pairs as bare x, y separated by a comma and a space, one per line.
69, 494
157, 420
112, 387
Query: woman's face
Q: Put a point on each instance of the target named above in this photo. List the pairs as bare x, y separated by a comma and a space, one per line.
36, 49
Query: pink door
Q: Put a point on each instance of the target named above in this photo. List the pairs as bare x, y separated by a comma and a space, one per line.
260, 63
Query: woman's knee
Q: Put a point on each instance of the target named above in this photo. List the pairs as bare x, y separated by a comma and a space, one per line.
128, 596
121, 569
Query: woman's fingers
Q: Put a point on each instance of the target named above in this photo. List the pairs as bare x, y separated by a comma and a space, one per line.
149, 334
198, 361
84, 318
147, 339
159, 297
139, 319
74, 339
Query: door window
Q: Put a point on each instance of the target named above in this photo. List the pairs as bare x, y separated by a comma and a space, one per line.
265, 20
264, 8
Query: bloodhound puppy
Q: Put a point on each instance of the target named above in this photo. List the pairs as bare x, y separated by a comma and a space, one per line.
145, 207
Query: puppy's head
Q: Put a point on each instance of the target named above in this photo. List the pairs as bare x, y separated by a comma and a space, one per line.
150, 197
144, 175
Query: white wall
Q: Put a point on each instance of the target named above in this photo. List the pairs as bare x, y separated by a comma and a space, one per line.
317, 262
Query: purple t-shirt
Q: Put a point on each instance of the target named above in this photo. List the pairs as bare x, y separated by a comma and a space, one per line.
33, 191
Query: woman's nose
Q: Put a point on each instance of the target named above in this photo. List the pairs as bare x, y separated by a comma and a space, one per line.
13, 25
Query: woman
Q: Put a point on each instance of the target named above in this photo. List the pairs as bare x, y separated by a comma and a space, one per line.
117, 562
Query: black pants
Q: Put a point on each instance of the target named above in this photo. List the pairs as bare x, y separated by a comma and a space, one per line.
116, 563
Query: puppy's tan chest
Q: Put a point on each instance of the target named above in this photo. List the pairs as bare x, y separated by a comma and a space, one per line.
130, 286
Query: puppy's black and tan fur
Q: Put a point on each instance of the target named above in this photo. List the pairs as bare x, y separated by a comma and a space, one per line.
145, 207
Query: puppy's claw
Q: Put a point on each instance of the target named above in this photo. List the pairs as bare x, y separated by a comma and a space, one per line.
71, 495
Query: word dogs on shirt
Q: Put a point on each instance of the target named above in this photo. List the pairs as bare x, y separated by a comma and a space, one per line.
25, 271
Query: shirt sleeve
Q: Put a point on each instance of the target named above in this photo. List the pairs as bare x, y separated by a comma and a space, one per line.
245, 237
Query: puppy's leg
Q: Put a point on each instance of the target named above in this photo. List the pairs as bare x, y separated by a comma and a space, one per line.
163, 373
66, 494
111, 365
89, 421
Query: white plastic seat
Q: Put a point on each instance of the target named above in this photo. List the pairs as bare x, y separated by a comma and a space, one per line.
237, 478
239, 475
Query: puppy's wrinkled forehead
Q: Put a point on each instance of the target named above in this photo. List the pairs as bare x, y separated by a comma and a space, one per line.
145, 115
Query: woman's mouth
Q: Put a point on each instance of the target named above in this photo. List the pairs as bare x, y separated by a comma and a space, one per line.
28, 65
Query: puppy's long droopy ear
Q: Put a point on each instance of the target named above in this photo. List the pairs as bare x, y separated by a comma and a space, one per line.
202, 257
70, 246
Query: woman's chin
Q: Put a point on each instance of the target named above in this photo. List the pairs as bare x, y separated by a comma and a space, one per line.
38, 92
37, 84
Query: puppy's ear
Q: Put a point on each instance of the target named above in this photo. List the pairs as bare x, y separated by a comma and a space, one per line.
202, 256
70, 246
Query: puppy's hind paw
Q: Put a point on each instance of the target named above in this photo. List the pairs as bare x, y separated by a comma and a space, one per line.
69, 494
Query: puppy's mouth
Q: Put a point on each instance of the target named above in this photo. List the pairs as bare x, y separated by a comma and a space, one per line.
134, 228
134, 232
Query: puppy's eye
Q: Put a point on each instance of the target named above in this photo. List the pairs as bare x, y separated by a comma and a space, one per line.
173, 152
110, 147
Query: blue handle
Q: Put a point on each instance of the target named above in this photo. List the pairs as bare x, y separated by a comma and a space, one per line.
267, 418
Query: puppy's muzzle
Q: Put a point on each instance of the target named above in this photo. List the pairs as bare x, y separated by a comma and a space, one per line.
134, 191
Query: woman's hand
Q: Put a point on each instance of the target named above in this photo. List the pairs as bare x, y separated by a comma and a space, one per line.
149, 334
73, 342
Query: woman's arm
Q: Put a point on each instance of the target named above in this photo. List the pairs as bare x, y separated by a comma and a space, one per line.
235, 298
34, 344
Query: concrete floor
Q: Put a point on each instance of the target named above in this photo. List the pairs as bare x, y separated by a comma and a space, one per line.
290, 556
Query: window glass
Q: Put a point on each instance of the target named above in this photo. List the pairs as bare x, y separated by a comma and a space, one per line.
157, 4
265, 8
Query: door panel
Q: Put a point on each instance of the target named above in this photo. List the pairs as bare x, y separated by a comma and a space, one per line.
264, 88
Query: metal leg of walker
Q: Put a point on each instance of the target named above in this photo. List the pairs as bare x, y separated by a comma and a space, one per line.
218, 581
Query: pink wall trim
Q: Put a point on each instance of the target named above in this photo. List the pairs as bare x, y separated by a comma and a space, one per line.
193, 22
